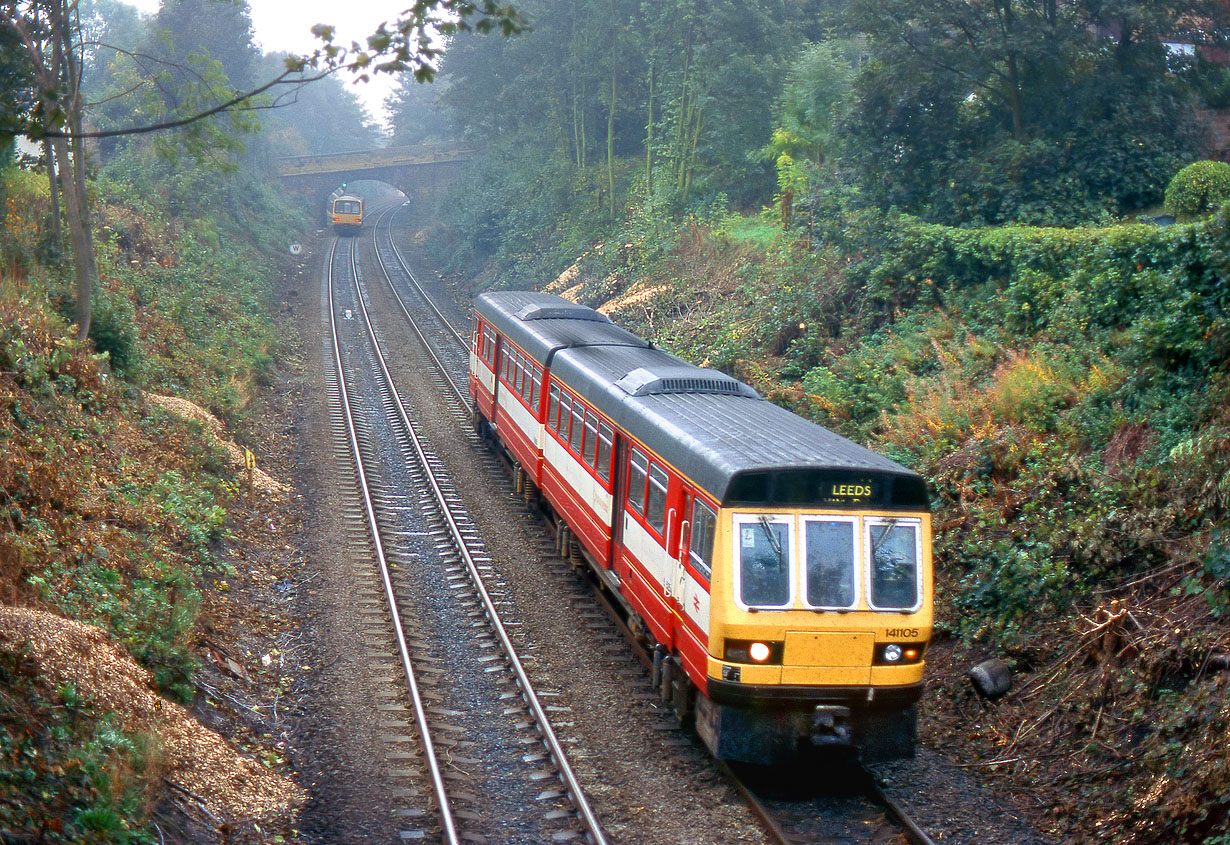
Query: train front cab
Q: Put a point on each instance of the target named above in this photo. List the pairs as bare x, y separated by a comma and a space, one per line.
346, 214
818, 627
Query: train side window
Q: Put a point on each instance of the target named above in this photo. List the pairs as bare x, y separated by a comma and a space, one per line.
704, 529
553, 409
606, 440
638, 472
536, 390
655, 505
489, 345
506, 367
828, 552
565, 414
591, 438
578, 427
476, 329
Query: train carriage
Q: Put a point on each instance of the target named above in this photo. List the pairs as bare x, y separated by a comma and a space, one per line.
346, 214
511, 347
781, 572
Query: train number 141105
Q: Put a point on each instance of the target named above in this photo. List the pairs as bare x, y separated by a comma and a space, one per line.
903, 633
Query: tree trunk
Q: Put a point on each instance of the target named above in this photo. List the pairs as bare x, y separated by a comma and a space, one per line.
57, 231
576, 128
79, 217
610, 142
79, 235
649, 135
610, 115
693, 144
1014, 82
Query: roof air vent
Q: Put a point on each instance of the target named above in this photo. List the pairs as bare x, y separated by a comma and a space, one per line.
682, 379
560, 311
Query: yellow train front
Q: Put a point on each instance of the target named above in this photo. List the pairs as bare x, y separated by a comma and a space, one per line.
780, 573
346, 214
819, 619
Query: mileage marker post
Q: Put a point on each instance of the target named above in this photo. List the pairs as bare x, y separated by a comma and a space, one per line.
249, 463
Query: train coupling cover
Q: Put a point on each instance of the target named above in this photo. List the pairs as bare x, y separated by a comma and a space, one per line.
830, 725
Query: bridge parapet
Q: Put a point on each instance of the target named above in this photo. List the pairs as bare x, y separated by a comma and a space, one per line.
354, 164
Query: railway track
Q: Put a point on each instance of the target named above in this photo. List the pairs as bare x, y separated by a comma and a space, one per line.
867, 814
488, 765
849, 806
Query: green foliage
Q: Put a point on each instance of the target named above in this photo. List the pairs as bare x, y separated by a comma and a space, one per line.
113, 330
194, 512
1211, 81
418, 116
600, 110
1198, 189
16, 85
982, 114
1213, 581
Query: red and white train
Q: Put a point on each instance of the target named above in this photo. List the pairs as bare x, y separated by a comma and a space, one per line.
781, 573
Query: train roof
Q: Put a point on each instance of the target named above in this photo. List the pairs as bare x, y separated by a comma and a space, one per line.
713, 428
736, 446
542, 324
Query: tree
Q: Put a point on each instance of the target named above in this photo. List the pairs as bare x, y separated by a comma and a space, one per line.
49, 32
219, 29
416, 112
813, 102
324, 117
51, 36
1029, 110
16, 79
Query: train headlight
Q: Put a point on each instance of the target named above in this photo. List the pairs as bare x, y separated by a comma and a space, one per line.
898, 654
767, 652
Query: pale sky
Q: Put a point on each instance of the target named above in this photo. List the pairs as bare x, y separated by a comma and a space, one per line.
286, 25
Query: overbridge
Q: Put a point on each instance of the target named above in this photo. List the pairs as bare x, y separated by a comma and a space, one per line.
417, 171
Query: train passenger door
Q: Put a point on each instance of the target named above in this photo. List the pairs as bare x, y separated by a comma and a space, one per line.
620, 489
696, 548
678, 574
498, 369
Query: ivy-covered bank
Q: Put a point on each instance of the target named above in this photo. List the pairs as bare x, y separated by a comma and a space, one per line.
1066, 393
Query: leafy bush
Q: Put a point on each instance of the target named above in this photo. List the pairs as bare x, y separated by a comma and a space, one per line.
1198, 189
113, 330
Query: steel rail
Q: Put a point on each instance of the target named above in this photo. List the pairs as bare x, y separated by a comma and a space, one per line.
913, 832
461, 341
554, 747
420, 710
759, 810
462, 395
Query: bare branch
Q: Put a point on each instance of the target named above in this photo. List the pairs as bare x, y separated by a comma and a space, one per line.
231, 104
